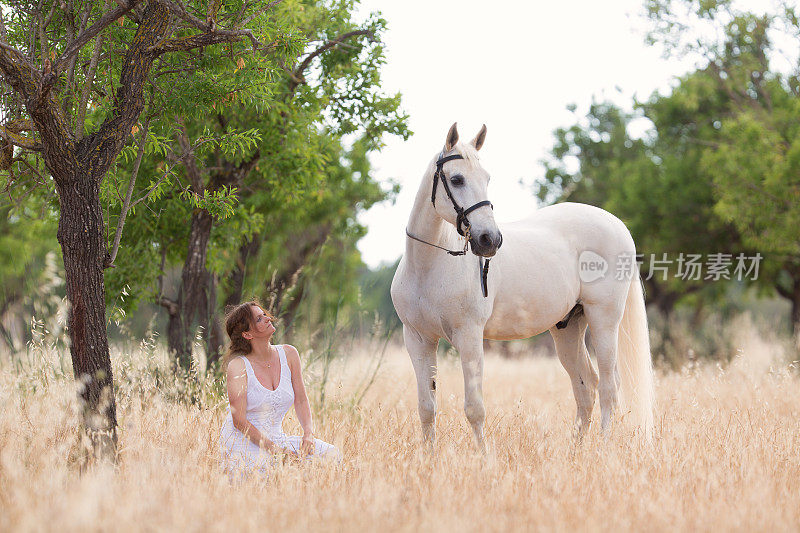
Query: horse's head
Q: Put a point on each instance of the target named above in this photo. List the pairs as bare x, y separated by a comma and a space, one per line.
459, 193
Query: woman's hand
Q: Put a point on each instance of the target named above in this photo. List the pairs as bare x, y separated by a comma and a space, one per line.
291, 457
307, 446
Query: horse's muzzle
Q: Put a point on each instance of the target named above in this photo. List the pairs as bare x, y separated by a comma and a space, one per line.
487, 243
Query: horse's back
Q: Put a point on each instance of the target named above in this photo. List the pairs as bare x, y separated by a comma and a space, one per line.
575, 222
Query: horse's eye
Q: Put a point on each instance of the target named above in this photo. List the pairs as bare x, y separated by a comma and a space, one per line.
457, 180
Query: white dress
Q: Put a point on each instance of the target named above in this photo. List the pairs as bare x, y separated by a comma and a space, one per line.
265, 410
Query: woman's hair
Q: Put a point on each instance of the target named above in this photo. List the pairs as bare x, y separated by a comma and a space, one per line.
238, 319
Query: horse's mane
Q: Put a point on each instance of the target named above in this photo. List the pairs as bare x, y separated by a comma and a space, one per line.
468, 151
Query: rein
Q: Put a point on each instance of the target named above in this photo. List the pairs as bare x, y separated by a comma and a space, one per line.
451, 252
461, 219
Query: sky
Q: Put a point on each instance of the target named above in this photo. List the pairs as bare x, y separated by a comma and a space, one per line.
514, 66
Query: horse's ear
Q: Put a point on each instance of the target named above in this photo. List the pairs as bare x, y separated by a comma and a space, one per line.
477, 142
452, 138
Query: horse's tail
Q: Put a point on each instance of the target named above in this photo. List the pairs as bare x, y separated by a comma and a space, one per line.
635, 361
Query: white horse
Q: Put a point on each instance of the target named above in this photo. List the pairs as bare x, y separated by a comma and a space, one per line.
566, 267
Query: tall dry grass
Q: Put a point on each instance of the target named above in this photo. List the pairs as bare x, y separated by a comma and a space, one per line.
725, 456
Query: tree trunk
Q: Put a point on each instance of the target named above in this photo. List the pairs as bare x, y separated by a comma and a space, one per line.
299, 250
197, 305
246, 251
176, 341
193, 293
795, 314
291, 311
80, 234
5, 315
216, 342
792, 293
214, 337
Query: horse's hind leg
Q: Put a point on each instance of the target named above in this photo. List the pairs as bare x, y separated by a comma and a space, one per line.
423, 356
604, 325
571, 348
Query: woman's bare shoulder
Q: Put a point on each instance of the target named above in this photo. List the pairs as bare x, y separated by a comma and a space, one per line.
291, 353
236, 366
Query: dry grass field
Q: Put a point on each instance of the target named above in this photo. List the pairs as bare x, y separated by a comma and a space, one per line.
726, 455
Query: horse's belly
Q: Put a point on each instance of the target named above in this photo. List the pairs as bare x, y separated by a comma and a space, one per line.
526, 305
519, 322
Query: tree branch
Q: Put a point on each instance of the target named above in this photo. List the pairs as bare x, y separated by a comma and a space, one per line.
786, 204
84, 20
246, 20
152, 188
16, 55
240, 14
41, 181
211, 33
69, 18
232, 175
170, 305
3, 33
47, 115
189, 161
43, 24
7, 132
178, 9
245, 167
299, 250
176, 161
201, 40
126, 204
32, 33
104, 145
89, 34
297, 77
88, 82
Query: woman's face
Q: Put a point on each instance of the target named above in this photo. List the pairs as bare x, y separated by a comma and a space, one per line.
261, 326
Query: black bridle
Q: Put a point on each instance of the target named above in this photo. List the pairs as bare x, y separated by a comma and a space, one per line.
461, 213
461, 219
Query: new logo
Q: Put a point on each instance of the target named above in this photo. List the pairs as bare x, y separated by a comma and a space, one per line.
591, 266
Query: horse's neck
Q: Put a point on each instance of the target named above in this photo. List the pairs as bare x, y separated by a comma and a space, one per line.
426, 225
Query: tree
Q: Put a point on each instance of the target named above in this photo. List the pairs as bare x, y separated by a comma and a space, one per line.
295, 161
375, 286
27, 235
752, 157
335, 88
74, 102
653, 183
716, 174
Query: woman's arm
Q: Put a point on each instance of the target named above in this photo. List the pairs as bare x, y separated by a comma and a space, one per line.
301, 404
237, 396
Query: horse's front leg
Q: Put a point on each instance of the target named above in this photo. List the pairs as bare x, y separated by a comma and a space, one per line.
423, 356
470, 347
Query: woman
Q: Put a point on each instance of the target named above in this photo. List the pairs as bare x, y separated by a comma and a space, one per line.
263, 382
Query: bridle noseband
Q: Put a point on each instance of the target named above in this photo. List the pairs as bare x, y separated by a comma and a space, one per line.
461, 219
